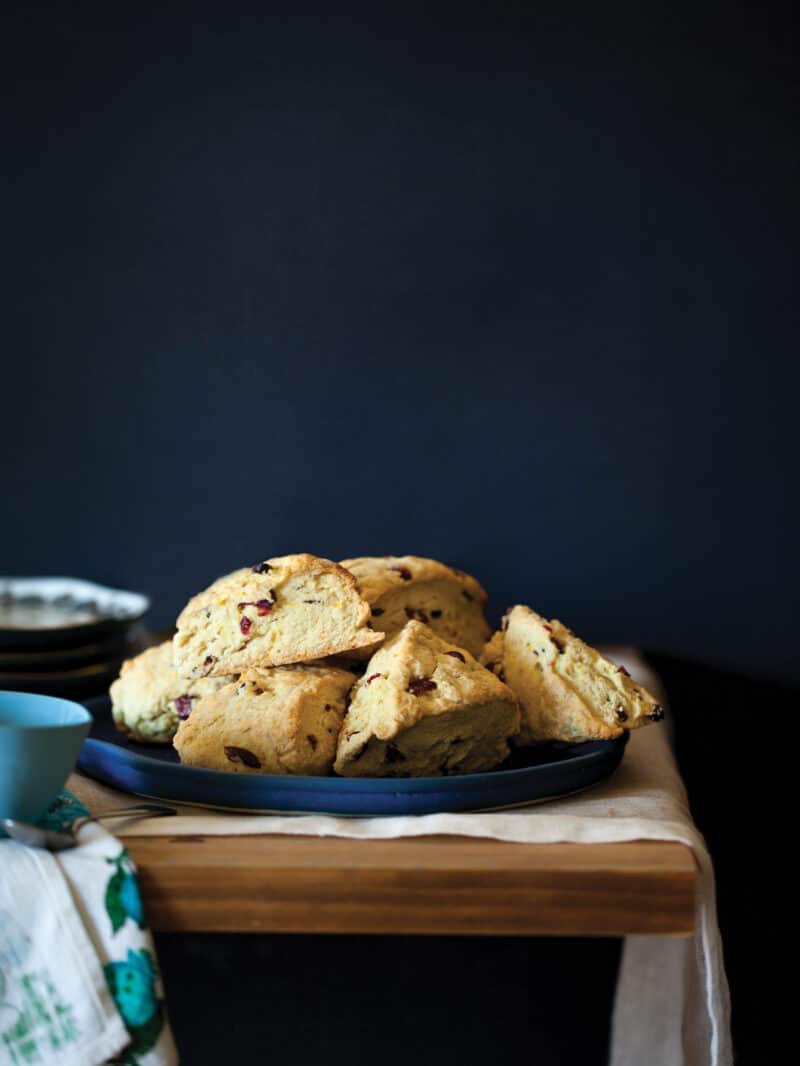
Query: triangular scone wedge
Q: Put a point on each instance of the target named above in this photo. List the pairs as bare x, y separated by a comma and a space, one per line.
287, 610
280, 721
403, 587
149, 698
567, 690
425, 707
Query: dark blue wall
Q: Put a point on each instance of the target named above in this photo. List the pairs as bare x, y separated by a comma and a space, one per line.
514, 292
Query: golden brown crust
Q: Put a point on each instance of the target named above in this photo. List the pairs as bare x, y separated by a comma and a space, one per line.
403, 587
567, 690
377, 574
149, 695
290, 609
285, 720
424, 707
492, 655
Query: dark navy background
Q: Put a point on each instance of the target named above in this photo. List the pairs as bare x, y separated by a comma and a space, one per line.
513, 291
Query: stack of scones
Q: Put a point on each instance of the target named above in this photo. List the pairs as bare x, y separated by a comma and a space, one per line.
372, 667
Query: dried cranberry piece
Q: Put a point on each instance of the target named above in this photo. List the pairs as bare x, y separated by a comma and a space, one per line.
403, 571
372, 678
183, 707
262, 606
261, 568
549, 628
245, 624
418, 685
209, 660
242, 755
417, 614
456, 655
312, 740
436, 614
312, 601
377, 612
622, 714
467, 595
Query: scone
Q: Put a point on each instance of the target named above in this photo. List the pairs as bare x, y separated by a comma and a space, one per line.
403, 587
425, 707
280, 721
149, 697
287, 610
567, 690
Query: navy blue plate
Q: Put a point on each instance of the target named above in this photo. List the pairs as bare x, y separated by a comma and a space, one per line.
530, 776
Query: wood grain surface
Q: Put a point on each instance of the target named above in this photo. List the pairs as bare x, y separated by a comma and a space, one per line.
430, 885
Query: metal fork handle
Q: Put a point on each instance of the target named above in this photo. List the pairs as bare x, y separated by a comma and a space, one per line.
154, 810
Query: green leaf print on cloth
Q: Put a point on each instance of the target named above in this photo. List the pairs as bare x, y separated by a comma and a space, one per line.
133, 986
123, 898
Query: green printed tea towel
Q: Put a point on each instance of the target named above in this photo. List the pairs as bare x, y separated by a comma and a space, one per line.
79, 981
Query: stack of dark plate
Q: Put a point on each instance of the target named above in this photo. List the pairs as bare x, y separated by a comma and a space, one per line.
65, 637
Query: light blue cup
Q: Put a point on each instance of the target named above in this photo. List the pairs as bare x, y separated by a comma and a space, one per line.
40, 737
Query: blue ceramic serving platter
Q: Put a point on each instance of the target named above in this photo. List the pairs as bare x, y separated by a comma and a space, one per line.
531, 776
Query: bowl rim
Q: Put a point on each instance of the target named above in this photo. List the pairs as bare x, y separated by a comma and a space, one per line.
81, 716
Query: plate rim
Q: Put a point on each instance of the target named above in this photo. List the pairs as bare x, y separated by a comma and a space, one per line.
343, 786
135, 604
102, 648
88, 672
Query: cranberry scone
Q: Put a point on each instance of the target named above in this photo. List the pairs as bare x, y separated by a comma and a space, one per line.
280, 721
291, 609
149, 698
425, 707
400, 588
567, 690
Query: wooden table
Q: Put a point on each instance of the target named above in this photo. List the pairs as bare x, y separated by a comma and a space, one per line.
423, 885
429, 885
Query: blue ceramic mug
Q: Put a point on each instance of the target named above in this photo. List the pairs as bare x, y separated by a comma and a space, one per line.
40, 737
